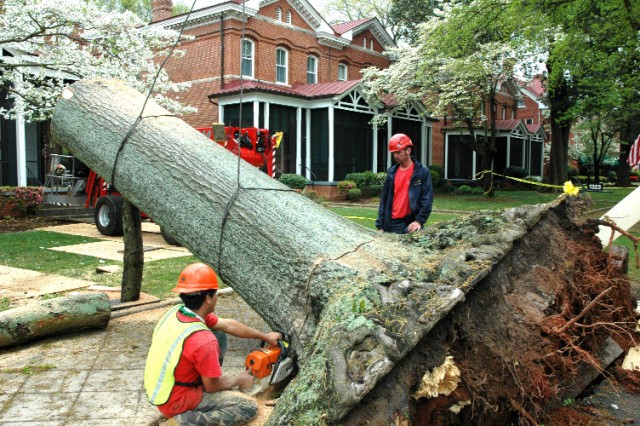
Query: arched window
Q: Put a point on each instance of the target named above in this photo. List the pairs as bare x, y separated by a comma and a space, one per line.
371, 44
282, 61
248, 49
312, 69
342, 72
364, 42
289, 17
278, 14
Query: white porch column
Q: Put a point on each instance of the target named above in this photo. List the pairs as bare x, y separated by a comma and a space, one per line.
308, 146
21, 147
267, 117
374, 142
220, 113
389, 134
508, 154
424, 143
331, 143
256, 114
299, 141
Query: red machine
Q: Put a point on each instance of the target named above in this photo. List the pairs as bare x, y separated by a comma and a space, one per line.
253, 145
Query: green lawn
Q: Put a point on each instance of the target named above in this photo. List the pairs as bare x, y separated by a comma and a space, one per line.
29, 250
450, 206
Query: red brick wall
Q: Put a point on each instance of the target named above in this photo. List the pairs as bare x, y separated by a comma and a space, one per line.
203, 57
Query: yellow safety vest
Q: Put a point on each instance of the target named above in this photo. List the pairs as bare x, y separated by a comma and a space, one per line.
166, 347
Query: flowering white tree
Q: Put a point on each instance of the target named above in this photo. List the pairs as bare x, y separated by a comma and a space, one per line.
455, 69
48, 44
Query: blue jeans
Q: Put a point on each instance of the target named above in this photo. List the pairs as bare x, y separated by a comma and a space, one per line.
398, 226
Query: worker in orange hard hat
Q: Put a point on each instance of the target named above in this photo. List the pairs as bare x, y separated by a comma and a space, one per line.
407, 193
182, 376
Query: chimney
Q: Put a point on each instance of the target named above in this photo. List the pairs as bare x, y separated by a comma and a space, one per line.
161, 9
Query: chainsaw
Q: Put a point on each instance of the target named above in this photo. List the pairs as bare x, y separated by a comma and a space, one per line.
269, 365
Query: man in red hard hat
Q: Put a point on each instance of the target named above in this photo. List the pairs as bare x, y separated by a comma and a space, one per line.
407, 194
182, 374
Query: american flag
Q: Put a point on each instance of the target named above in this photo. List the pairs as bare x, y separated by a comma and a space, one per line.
634, 155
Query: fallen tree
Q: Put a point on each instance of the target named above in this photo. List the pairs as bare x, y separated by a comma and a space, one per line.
53, 316
359, 305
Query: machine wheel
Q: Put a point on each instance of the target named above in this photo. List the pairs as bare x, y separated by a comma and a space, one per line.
169, 239
108, 215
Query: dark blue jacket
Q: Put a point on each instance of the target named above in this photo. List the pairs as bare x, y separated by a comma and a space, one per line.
420, 196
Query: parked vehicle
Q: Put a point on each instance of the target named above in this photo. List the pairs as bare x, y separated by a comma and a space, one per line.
256, 146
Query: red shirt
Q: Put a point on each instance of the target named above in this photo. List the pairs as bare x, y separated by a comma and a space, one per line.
400, 207
199, 358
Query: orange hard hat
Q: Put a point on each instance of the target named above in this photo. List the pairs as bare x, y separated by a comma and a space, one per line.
398, 142
196, 277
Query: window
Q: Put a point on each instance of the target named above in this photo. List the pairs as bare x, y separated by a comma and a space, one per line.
529, 121
521, 103
504, 112
281, 65
364, 42
278, 14
371, 44
247, 58
289, 17
342, 72
312, 69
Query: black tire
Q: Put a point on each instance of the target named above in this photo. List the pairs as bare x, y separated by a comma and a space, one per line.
108, 215
169, 239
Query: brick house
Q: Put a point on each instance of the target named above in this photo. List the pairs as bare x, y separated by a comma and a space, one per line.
520, 136
278, 64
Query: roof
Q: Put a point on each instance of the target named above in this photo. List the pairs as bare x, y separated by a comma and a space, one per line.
509, 124
533, 128
347, 26
308, 91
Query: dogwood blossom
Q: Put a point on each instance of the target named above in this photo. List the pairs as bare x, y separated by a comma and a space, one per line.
48, 44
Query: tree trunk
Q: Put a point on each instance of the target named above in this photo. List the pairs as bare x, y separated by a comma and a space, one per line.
53, 316
622, 173
301, 267
133, 253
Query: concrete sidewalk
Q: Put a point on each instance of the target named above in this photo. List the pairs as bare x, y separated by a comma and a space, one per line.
94, 377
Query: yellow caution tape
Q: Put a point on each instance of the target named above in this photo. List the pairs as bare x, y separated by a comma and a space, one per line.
568, 187
360, 217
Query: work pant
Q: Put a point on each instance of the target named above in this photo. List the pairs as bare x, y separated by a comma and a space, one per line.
397, 226
224, 408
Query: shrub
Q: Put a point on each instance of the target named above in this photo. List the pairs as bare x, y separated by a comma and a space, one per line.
516, 172
363, 179
345, 185
468, 190
380, 177
612, 176
372, 191
355, 194
436, 181
293, 180
572, 172
27, 199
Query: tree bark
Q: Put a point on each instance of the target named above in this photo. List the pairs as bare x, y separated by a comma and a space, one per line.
53, 316
301, 267
133, 260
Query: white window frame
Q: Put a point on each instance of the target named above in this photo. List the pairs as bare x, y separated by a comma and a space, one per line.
288, 17
364, 42
314, 72
249, 58
343, 69
278, 14
371, 44
282, 66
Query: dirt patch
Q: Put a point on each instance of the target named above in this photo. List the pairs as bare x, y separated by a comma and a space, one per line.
27, 223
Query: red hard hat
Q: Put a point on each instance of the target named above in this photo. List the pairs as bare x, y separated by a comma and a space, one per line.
196, 277
398, 142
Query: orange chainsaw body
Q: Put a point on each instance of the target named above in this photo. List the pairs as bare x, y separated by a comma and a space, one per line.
262, 361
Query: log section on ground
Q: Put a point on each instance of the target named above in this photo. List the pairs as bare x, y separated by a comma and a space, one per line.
53, 316
356, 302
